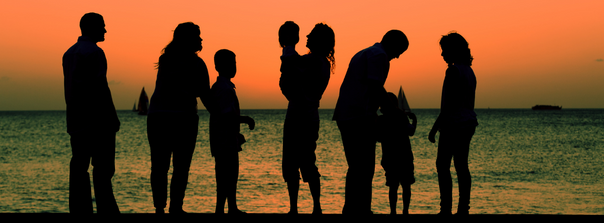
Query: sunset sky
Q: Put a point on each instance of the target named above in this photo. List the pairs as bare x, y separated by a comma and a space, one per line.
525, 52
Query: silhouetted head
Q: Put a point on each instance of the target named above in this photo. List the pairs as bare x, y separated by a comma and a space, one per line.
289, 34
225, 64
455, 49
92, 25
392, 99
395, 43
321, 42
185, 40
390, 102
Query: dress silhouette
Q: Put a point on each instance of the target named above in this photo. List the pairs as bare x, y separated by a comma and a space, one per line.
303, 82
361, 94
456, 122
91, 126
172, 121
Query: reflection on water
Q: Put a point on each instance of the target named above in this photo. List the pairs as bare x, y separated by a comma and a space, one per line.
522, 162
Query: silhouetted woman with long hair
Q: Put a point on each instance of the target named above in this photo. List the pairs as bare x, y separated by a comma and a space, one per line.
303, 82
456, 122
172, 122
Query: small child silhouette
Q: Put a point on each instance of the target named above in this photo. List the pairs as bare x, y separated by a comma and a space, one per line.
225, 139
397, 156
290, 59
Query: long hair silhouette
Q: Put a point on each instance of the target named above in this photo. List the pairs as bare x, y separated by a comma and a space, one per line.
185, 41
321, 41
455, 49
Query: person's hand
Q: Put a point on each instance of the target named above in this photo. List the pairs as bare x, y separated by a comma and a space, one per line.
388, 110
412, 116
432, 136
250, 122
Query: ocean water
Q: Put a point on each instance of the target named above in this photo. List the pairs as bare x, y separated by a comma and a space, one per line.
522, 162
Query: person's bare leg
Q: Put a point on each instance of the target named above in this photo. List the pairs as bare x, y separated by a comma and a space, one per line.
393, 197
315, 191
292, 188
406, 198
220, 184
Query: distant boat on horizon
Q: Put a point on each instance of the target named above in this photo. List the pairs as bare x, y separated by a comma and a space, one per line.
546, 107
143, 103
402, 101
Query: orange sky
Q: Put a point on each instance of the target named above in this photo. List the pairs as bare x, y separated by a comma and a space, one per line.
526, 52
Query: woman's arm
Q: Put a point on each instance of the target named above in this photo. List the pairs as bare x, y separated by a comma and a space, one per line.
204, 87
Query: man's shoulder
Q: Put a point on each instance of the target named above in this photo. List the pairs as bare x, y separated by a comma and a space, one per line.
371, 51
84, 48
376, 49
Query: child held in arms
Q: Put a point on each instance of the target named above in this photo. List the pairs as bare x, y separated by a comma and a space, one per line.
397, 157
225, 138
289, 34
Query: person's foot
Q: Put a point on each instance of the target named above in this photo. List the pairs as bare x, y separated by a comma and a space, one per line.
317, 211
177, 211
444, 213
236, 212
159, 211
463, 211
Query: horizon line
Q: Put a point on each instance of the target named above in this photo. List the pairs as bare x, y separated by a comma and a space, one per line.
286, 109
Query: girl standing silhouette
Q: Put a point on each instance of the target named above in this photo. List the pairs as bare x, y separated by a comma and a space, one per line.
456, 122
172, 122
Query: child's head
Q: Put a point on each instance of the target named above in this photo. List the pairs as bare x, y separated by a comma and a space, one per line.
224, 62
289, 34
392, 100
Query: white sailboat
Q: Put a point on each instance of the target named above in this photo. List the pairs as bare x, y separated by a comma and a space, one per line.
402, 101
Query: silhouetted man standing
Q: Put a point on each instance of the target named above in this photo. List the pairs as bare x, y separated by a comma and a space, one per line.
361, 94
91, 119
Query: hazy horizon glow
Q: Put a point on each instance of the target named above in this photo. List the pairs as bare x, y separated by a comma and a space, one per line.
526, 53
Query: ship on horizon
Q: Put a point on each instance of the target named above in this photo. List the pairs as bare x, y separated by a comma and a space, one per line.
547, 107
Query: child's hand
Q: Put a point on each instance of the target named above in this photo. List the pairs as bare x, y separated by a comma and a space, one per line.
412, 116
249, 121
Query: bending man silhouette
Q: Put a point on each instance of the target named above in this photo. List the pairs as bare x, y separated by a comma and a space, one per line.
361, 94
91, 126
456, 122
172, 121
303, 82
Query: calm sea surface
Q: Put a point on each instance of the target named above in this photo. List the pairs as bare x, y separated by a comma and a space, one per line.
522, 162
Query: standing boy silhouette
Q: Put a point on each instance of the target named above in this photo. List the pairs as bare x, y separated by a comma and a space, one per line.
225, 139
